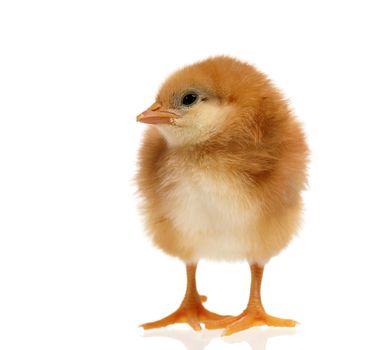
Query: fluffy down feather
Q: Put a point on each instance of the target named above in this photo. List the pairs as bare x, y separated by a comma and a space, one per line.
225, 181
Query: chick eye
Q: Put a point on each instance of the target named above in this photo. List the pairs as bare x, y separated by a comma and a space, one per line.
189, 99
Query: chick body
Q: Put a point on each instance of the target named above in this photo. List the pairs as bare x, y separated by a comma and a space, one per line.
236, 194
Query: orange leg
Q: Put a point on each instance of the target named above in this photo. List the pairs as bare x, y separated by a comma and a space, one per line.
191, 310
254, 314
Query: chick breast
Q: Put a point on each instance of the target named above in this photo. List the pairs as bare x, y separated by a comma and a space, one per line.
213, 214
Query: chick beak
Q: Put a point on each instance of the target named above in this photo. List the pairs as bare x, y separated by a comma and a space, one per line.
154, 115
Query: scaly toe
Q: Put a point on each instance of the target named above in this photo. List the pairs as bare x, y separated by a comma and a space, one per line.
192, 315
222, 322
171, 319
247, 319
279, 322
251, 319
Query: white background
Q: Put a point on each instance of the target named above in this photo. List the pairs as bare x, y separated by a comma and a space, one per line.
76, 270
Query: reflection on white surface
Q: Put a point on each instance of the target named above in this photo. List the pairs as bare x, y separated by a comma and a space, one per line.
256, 337
190, 339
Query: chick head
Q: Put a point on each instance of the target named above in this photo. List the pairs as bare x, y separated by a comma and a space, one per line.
206, 99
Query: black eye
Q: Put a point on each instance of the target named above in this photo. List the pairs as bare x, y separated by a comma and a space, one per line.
189, 99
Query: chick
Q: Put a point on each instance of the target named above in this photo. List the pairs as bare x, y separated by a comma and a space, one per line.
221, 172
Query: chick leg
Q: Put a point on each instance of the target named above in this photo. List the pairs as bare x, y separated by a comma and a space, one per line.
191, 310
254, 314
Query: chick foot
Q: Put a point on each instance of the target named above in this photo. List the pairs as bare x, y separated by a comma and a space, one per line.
248, 319
254, 314
190, 312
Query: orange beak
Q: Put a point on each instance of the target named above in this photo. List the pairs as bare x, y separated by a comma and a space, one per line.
154, 115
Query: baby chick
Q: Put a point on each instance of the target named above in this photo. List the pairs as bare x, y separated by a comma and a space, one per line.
221, 173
